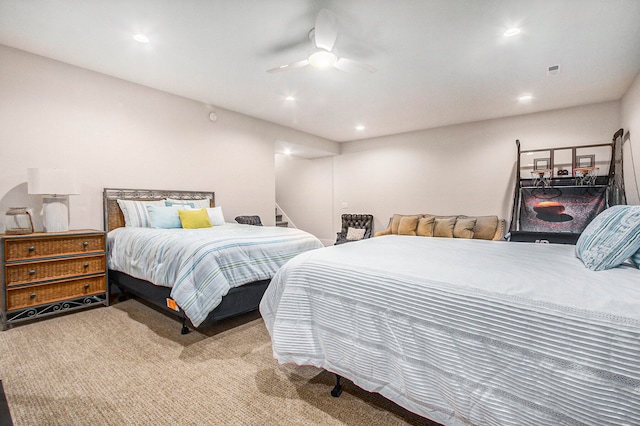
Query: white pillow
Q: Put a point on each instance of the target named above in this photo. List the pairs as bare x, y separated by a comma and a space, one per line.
354, 234
215, 216
135, 212
204, 203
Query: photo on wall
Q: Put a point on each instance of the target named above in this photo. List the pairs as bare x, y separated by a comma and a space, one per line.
563, 209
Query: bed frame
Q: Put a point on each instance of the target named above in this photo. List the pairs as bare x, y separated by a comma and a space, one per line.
239, 300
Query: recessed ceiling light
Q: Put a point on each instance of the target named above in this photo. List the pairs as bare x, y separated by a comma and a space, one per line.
141, 38
525, 98
360, 127
289, 98
512, 32
287, 151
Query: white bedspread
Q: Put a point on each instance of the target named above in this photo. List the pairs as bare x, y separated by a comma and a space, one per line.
466, 332
201, 265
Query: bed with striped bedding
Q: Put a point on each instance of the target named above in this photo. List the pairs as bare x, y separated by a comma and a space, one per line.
202, 265
466, 332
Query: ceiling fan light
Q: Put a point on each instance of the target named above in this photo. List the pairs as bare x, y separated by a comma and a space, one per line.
322, 59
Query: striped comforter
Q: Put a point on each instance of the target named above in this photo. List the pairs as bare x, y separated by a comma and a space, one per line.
201, 265
466, 332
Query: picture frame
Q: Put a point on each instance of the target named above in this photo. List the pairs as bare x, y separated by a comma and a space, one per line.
541, 163
585, 161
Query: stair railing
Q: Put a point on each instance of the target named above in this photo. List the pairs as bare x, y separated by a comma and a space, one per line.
285, 217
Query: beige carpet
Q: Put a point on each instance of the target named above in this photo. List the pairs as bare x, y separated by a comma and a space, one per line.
128, 364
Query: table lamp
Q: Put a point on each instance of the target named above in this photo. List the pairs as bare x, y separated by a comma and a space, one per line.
55, 186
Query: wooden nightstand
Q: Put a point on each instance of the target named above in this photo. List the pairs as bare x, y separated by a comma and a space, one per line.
50, 273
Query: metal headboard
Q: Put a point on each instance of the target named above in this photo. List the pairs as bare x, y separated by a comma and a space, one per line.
113, 217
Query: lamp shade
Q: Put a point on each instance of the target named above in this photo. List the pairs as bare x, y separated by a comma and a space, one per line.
51, 181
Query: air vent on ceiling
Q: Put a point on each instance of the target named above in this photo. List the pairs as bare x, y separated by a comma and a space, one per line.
553, 69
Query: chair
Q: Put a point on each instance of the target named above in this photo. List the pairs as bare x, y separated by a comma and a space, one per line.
357, 221
249, 220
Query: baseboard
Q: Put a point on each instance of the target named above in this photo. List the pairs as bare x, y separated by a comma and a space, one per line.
5, 415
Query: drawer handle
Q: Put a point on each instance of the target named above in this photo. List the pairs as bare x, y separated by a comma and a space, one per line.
85, 244
32, 295
86, 265
32, 249
86, 286
32, 271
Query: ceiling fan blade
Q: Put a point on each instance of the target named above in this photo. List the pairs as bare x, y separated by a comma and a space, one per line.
351, 66
298, 64
326, 30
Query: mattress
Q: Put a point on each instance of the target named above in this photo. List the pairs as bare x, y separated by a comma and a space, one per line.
201, 265
466, 332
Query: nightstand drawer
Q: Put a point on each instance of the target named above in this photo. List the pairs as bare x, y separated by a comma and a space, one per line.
21, 297
28, 272
34, 248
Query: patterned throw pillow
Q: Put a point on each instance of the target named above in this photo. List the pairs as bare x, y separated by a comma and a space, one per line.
354, 234
611, 238
636, 258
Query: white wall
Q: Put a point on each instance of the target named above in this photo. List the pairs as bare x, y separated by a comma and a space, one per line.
306, 186
631, 148
123, 135
463, 169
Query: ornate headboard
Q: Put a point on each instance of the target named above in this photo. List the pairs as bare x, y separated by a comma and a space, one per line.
113, 217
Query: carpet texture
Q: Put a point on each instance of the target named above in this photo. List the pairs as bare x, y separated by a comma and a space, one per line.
128, 364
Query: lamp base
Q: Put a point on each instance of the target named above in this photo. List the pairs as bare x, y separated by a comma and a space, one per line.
55, 214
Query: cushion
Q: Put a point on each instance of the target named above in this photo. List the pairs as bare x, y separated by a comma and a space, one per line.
164, 217
443, 226
354, 234
636, 258
183, 204
486, 227
408, 225
215, 216
395, 223
425, 226
611, 238
135, 212
192, 219
204, 203
464, 227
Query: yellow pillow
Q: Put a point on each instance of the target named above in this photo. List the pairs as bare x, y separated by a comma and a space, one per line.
191, 219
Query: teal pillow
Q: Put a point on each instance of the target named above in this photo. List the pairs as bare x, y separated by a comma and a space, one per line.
178, 203
164, 217
611, 238
636, 258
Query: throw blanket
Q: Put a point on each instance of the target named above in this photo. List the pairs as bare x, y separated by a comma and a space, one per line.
201, 265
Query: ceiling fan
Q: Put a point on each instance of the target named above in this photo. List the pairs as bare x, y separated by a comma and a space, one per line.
323, 36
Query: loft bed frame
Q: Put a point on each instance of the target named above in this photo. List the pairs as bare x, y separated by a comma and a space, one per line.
239, 300
572, 172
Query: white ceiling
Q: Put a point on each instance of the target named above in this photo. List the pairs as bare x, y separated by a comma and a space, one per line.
439, 62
